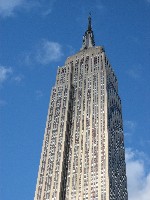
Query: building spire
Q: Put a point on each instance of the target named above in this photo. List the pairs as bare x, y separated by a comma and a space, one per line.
88, 38
89, 22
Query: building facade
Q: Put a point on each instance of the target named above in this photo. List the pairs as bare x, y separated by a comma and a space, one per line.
83, 155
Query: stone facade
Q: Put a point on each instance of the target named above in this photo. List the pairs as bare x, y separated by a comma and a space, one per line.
83, 155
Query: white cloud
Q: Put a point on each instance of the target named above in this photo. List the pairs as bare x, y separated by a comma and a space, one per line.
8, 7
48, 51
130, 124
47, 12
129, 127
137, 175
44, 53
135, 72
5, 72
18, 78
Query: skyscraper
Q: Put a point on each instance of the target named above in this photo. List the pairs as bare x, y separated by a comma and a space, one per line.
83, 154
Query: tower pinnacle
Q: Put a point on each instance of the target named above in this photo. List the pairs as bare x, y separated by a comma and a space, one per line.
89, 22
88, 37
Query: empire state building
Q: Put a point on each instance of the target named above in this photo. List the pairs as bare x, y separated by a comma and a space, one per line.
83, 155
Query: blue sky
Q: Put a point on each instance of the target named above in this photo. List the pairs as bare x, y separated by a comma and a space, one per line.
35, 38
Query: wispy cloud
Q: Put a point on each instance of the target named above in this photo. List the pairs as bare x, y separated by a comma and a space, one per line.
138, 175
135, 72
148, 1
18, 78
100, 6
129, 127
49, 51
8, 8
39, 94
44, 53
2, 103
47, 12
5, 72
70, 50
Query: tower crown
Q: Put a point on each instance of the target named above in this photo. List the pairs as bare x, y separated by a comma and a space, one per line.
88, 37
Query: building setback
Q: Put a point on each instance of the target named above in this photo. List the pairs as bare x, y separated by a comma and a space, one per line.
83, 155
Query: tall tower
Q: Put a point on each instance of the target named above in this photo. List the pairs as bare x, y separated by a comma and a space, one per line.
83, 155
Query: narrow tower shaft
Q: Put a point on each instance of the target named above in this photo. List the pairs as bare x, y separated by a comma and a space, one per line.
83, 156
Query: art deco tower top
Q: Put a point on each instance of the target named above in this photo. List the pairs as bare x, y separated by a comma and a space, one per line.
88, 38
